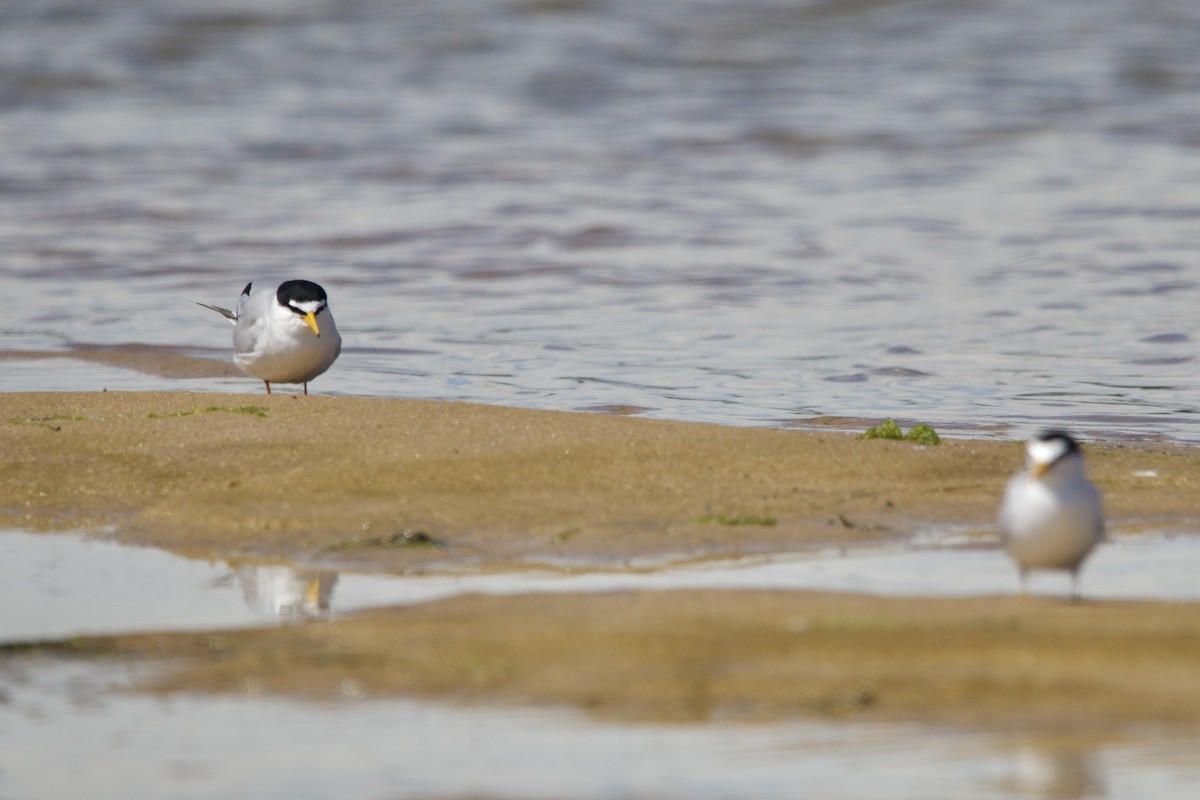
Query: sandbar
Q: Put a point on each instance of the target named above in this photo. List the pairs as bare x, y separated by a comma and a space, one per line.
395, 485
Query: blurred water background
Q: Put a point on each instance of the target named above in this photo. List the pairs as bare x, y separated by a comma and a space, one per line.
982, 215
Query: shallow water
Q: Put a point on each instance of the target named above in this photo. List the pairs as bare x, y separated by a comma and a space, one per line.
66, 726
77, 728
750, 212
65, 585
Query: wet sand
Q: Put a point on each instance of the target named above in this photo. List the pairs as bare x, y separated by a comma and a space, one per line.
162, 360
1026, 663
340, 480
343, 479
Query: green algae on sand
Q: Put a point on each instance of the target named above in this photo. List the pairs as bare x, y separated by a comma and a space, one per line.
888, 429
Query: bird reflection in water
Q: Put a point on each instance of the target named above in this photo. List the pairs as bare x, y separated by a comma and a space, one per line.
1050, 772
285, 593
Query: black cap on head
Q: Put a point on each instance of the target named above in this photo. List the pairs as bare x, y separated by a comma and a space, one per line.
291, 292
1057, 435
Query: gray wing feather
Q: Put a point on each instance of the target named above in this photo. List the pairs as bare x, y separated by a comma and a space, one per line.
224, 312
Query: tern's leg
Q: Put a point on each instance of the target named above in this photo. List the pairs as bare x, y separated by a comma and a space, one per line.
268, 383
1075, 596
306, 388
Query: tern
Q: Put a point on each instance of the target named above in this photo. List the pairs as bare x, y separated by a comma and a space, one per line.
285, 336
1051, 517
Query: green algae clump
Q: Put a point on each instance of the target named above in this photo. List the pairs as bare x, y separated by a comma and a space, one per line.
921, 434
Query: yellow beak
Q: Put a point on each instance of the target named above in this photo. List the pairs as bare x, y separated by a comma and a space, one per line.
310, 320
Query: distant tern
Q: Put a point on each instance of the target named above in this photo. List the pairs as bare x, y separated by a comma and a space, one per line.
285, 336
1051, 517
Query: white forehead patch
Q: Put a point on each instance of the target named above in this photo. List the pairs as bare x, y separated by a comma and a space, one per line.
1046, 451
308, 305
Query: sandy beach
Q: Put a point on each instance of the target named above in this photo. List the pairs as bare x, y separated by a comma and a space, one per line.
392, 485
581, 511
342, 479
